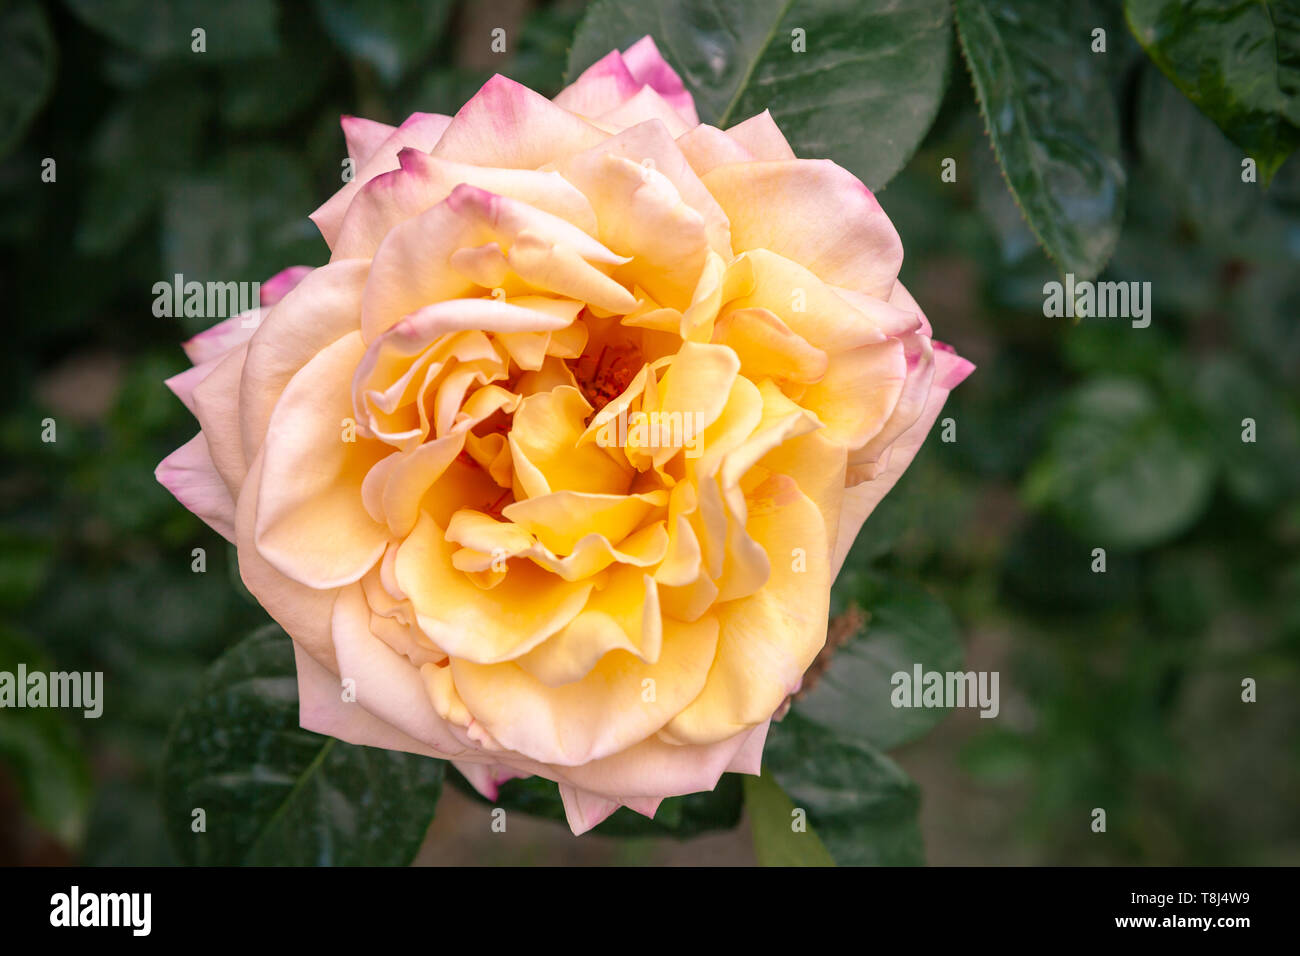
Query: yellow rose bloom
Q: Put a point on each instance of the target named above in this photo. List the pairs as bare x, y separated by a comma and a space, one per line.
556, 459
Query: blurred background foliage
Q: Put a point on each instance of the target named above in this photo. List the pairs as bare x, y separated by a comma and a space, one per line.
1120, 690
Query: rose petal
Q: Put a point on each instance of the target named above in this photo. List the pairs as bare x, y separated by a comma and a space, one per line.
182, 384
767, 640
321, 309
648, 66
706, 147
861, 500
584, 810
645, 104
655, 768
859, 391
420, 131
547, 457
633, 698
749, 758
487, 778
364, 137
216, 406
622, 616
601, 87
507, 124
814, 212
217, 341
311, 522
322, 710
386, 684
424, 181
762, 138
281, 284
303, 612
466, 621
643, 217
189, 474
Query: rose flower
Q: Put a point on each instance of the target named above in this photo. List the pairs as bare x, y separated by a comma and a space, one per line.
555, 461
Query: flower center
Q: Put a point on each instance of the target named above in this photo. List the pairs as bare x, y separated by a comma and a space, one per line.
604, 373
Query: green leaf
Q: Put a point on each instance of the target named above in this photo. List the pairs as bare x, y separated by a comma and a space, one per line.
905, 626
1237, 60
235, 30
864, 93
999, 208
863, 807
772, 818
679, 817
390, 35
41, 750
1119, 469
1200, 170
1195, 162
27, 59
275, 794
1052, 121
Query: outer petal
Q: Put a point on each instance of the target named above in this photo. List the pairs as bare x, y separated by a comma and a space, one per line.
507, 124
184, 383
900, 298
423, 181
601, 87
215, 342
648, 66
861, 500
303, 612
487, 778
282, 283
707, 147
216, 406
387, 684
654, 768
911, 402
645, 105
421, 131
364, 137
609, 710
585, 810
760, 135
189, 474
320, 310
749, 758
311, 523
322, 710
